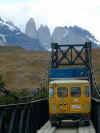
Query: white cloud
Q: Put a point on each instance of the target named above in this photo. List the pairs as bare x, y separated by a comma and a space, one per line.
84, 13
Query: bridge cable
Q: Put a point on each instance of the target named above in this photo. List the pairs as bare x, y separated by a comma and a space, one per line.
93, 75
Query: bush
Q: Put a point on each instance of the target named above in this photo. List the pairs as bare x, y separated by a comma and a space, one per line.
19, 95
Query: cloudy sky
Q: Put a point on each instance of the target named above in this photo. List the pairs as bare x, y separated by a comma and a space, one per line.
84, 13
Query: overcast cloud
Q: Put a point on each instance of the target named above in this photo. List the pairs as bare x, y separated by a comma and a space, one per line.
84, 13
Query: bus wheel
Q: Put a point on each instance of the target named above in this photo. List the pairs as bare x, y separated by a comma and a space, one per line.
58, 123
77, 124
87, 123
53, 124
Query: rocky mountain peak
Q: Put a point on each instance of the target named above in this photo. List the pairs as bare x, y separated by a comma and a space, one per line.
58, 34
32, 22
8, 25
40, 39
44, 36
11, 35
31, 29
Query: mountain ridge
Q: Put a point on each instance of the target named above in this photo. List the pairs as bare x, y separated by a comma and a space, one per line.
41, 38
12, 36
65, 34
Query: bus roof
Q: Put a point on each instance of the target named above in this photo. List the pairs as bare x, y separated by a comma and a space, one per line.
68, 81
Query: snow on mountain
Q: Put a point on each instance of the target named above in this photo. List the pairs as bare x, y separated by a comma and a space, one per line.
12, 36
10, 27
67, 35
73, 35
40, 39
3, 38
58, 34
9, 24
93, 40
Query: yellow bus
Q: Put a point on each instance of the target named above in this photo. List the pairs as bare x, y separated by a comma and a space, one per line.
69, 100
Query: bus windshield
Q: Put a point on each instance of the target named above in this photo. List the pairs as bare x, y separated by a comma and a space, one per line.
76, 92
62, 92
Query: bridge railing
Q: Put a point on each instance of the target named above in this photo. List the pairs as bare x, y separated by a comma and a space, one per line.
23, 117
36, 94
95, 114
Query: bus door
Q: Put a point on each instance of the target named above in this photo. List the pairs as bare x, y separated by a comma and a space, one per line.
76, 99
62, 99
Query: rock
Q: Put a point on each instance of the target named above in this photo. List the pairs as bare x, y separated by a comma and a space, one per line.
12, 36
44, 36
30, 29
73, 35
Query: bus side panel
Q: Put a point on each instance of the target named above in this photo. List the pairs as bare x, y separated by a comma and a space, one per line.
52, 102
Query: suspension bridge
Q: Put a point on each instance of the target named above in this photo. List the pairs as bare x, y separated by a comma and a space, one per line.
32, 117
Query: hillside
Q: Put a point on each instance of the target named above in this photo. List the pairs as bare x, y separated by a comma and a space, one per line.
11, 35
61, 34
96, 64
39, 39
10, 48
25, 69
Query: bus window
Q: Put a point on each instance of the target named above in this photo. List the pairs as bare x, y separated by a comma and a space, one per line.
51, 92
62, 92
87, 91
75, 92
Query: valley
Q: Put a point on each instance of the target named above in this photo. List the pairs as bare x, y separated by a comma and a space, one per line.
24, 69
